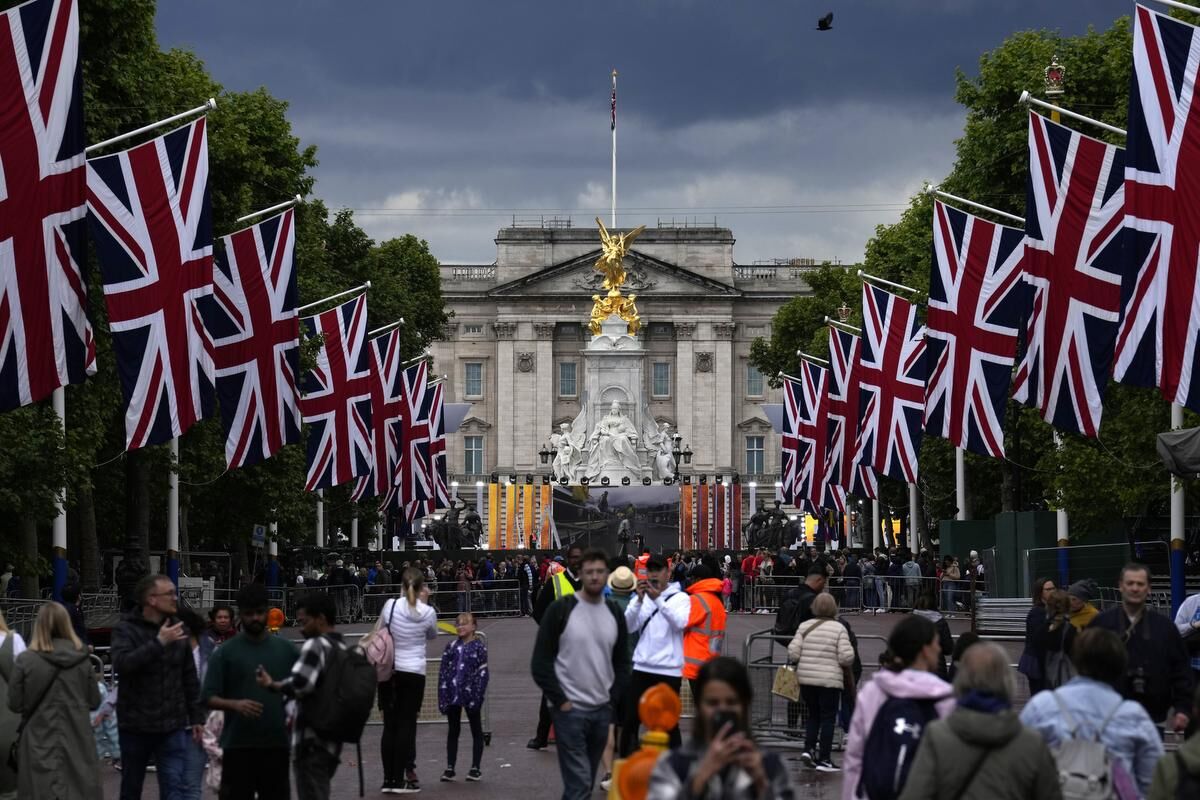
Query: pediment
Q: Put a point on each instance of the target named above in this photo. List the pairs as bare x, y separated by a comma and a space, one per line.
646, 276
754, 425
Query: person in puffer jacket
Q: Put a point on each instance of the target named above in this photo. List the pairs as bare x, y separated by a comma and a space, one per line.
658, 616
909, 670
821, 649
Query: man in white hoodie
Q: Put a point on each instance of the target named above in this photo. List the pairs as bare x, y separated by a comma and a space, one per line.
659, 615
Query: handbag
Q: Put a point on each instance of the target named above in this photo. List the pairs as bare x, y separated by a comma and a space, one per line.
787, 682
14, 749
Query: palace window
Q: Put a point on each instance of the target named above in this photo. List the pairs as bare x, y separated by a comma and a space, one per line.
754, 455
662, 379
472, 330
473, 455
473, 379
566, 379
754, 381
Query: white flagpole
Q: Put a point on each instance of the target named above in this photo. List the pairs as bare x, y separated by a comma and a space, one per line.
304, 308
1028, 99
914, 509
173, 514
613, 221
960, 482
875, 523
59, 539
265, 211
320, 517
354, 531
211, 104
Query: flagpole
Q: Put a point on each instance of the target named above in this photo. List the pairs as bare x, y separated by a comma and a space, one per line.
914, 509
1178, 538
805, 356
173, 514
833, 323
265, 211
387, 327
885, 282
875, 525
211, 104
320, 517
613, 220
931, 189
363, 287
1028, 99
960, 483
59, 539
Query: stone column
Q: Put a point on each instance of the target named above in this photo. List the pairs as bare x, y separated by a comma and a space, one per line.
684, 382
505, 396
542, 421
723, 375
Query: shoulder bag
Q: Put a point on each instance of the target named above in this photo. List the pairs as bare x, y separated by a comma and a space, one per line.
787, 682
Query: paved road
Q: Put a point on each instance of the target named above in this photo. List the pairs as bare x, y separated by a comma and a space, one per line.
510, 770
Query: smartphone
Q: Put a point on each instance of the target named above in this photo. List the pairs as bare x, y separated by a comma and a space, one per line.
722, 718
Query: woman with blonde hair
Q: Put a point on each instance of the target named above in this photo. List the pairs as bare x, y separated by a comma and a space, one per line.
53, 688
412, 622
11, 646
822, 651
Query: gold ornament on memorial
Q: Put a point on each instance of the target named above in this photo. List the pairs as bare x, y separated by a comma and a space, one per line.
611, 266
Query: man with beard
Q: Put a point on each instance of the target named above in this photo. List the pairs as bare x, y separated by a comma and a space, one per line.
254, 740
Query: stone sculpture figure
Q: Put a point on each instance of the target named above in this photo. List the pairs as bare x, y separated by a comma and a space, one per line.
664, 462
613, 445
568, 452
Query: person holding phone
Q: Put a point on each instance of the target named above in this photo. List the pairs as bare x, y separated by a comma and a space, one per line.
722, 760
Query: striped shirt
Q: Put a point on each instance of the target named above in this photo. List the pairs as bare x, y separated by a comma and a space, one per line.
303, 680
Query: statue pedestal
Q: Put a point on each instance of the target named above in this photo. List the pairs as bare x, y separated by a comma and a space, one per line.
614, 370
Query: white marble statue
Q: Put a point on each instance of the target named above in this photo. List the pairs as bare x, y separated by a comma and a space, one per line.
613, 445
664, 462
568, 452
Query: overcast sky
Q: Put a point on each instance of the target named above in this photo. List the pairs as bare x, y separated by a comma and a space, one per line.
446, 118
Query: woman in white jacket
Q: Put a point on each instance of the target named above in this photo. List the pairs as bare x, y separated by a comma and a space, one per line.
821, 650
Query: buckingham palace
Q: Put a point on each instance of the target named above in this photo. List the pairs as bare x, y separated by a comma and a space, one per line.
513, 348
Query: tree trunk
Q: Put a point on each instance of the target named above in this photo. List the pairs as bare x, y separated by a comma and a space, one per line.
89, 541
137, 502
30, 584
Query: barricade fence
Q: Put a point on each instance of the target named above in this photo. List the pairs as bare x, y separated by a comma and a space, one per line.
1099, 562
869, 594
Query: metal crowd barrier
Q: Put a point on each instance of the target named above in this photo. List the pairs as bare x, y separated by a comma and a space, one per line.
869, 594
503, 599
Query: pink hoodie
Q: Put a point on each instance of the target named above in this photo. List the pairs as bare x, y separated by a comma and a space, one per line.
909, 683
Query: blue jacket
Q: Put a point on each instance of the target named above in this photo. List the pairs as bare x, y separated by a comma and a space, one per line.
1129, 735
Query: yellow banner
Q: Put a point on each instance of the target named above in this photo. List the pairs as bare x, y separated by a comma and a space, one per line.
527, 508
685, 517
509, 537
547, 510
493, 516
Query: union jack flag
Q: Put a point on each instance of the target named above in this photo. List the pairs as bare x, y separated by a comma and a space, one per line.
45, 336
256, 336
845, 475
1156, 340
149, 216
793, 393
387, 404
439, 491
337, 396
892, 384
977, 302
414, 469
813, 432
1074, 217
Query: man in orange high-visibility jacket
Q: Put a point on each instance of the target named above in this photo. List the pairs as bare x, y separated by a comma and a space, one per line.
704, 636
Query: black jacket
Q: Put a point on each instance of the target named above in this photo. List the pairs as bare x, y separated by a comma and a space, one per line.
545, 595
1158, 662
545, 651
160, 691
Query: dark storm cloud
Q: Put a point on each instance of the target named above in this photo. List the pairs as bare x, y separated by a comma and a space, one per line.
495, 108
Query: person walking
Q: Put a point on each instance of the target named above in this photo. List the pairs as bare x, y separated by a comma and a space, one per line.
202, 648
906, 685
53, 688
1030, 665
704, 635
412, 623
722, 760
11, 646
1053, 642
1081, 594
462, 684
1187, 622
581, 663
1090, 706
254, 739
158, 702
981, 751
314, 758
1159, 674
659, 614
621, 583
822, 653
557, 585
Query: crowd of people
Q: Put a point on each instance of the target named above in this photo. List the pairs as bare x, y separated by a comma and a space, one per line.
226, 702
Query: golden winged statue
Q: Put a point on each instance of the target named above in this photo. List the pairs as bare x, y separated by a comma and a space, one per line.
611, 265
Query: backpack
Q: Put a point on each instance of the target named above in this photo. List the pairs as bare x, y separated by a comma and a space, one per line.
1059, 668
379, 648
1085, 769
1187, 784
338, 709
794, 609
892, 743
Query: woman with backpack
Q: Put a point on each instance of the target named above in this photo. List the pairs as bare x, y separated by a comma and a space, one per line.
891, 712
1052, 644
411, 622
53, 688
822, 652
1089, 709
